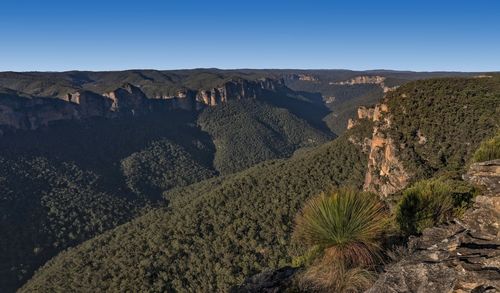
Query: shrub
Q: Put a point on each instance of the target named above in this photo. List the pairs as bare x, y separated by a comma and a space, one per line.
488, 150
431, 202
345, 224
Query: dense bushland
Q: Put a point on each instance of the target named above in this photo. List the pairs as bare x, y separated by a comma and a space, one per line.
247, 132
440, 122
63, 185
215, 233
46, 207
164, 165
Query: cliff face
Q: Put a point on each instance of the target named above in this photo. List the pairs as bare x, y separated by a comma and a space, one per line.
302, 77
367, 79
31, 113
90, 104
27, 112
462, 256
385, 173
127, 99
241, 89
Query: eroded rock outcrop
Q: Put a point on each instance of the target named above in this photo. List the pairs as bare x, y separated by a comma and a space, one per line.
302, 77
367, 79
385, 173
462, 256
90, 104
237, 90
127, 99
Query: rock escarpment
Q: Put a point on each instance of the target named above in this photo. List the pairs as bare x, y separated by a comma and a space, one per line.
19, 111
463, 256
302, 77
385, 173
90, 104
237, 90
366, 79
127, 99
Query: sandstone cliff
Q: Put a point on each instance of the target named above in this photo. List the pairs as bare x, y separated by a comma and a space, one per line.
127, 99
302, 77
366, 79
385, 173
19, 111
31, 113
90, 104
240, 89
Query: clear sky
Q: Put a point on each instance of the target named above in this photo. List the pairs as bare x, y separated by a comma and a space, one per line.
423, 35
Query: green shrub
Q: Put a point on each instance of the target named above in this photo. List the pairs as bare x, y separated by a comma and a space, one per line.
345, 224
488, 150
431, 202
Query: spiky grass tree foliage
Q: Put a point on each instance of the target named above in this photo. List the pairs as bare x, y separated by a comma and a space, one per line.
344, 225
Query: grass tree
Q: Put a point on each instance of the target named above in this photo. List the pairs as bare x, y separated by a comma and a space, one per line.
340, 230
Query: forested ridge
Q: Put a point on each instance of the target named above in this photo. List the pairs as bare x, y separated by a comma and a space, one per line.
247, 132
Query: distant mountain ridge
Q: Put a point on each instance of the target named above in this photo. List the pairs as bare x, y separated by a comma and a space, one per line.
23, 111
33, 99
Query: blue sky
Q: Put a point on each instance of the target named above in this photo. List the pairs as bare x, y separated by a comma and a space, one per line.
53, 35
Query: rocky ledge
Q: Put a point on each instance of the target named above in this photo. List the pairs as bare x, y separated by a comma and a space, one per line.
462, 256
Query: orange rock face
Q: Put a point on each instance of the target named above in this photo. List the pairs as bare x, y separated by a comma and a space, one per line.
385, 173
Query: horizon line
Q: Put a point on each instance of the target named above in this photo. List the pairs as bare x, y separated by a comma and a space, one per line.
247, 68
